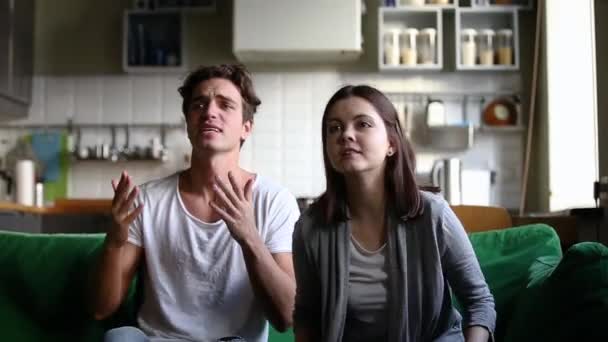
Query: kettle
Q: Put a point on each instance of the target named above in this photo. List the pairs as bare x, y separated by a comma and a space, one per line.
447, 175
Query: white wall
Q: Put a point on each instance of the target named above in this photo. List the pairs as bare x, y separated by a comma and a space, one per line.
286, 143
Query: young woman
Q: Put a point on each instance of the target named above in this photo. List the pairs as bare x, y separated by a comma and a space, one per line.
375, 257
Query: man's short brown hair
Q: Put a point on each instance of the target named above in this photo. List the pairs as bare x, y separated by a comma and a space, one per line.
236, 73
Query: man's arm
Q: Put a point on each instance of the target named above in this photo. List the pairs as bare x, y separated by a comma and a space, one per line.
271, 275
273, 282
113, 275
118, 259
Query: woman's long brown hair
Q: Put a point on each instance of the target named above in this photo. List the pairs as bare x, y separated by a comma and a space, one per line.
403, 195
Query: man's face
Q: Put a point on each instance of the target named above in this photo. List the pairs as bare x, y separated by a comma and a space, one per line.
215, 117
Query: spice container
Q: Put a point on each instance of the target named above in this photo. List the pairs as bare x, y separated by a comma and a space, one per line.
390, 45
427, 45
407, 44
485, 45
468, 47
411, 2
504, 40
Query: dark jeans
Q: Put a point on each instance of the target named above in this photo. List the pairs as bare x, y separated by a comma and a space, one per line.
133, 334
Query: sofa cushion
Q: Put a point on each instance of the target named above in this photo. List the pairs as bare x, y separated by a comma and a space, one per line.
505, 257
568, 303
43, 288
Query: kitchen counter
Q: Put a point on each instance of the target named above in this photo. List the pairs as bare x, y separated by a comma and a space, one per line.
63, 206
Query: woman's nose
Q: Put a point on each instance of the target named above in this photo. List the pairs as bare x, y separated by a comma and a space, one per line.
347, 134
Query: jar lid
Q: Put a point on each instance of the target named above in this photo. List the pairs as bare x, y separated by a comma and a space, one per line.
429, 30
410, 30
469, 32
486, 32
505, 32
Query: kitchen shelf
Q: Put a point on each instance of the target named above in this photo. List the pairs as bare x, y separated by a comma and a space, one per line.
502, 129
452, 5
153, 41
487, 17
186, 5
515, 4
452, 137
418, 17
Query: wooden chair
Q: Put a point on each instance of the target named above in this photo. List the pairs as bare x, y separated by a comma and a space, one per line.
480, 218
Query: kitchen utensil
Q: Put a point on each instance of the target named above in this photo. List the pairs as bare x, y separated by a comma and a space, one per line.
435, 113
476, 187
25, 173
447, 175
500, 112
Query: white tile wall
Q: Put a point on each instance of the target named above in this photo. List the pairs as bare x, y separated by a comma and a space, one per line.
286, 143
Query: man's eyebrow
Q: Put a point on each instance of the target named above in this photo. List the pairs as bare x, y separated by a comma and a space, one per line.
226, 98
222, 97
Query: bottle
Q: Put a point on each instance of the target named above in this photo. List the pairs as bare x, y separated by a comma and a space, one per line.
391, 46
39, 194
407, 43
504, 40
486, 47
468, 47
427, 46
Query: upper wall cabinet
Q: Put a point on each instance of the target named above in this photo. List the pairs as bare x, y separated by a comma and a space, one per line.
153, 41
16, 57
486, 34
297, 31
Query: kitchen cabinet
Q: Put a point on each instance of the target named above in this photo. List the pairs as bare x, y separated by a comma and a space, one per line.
395, 24
16, 57
494, 19
295, 31
153, 41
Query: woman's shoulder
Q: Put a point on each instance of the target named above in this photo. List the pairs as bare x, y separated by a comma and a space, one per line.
434, 205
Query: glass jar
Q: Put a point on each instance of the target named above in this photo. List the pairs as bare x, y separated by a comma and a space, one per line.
439, 2
485, 46
468, 46
504, 41
390, 44
407, 44
427, 45
411, 2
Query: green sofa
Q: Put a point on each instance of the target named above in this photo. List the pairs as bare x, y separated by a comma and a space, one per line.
43, 280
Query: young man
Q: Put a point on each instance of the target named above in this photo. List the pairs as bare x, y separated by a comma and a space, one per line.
214, 240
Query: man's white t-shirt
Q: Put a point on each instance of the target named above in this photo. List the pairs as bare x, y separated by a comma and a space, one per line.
196, 285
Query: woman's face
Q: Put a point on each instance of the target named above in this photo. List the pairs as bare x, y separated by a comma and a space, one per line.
357, 141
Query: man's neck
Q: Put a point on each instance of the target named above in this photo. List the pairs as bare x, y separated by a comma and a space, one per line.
204, 170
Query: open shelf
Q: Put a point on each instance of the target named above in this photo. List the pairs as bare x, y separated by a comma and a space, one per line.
510, 4
487, 17
418, 17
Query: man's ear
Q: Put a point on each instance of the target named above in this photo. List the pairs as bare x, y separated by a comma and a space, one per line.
246, 131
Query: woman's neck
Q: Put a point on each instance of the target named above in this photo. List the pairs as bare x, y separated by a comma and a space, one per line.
366, 197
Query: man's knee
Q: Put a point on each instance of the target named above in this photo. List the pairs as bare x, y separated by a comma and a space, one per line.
125, 334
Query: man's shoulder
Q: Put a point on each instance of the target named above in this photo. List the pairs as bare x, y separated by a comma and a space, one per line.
268, 189
159, 187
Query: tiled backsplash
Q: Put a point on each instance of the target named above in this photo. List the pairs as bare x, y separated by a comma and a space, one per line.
286, 143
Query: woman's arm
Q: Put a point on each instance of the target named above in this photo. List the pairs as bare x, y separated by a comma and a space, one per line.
466, 279
306, 313
476, 334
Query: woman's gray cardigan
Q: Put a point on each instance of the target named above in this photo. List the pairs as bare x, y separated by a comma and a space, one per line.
428, 255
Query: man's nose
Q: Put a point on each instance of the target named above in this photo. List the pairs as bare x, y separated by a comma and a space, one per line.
211, 110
